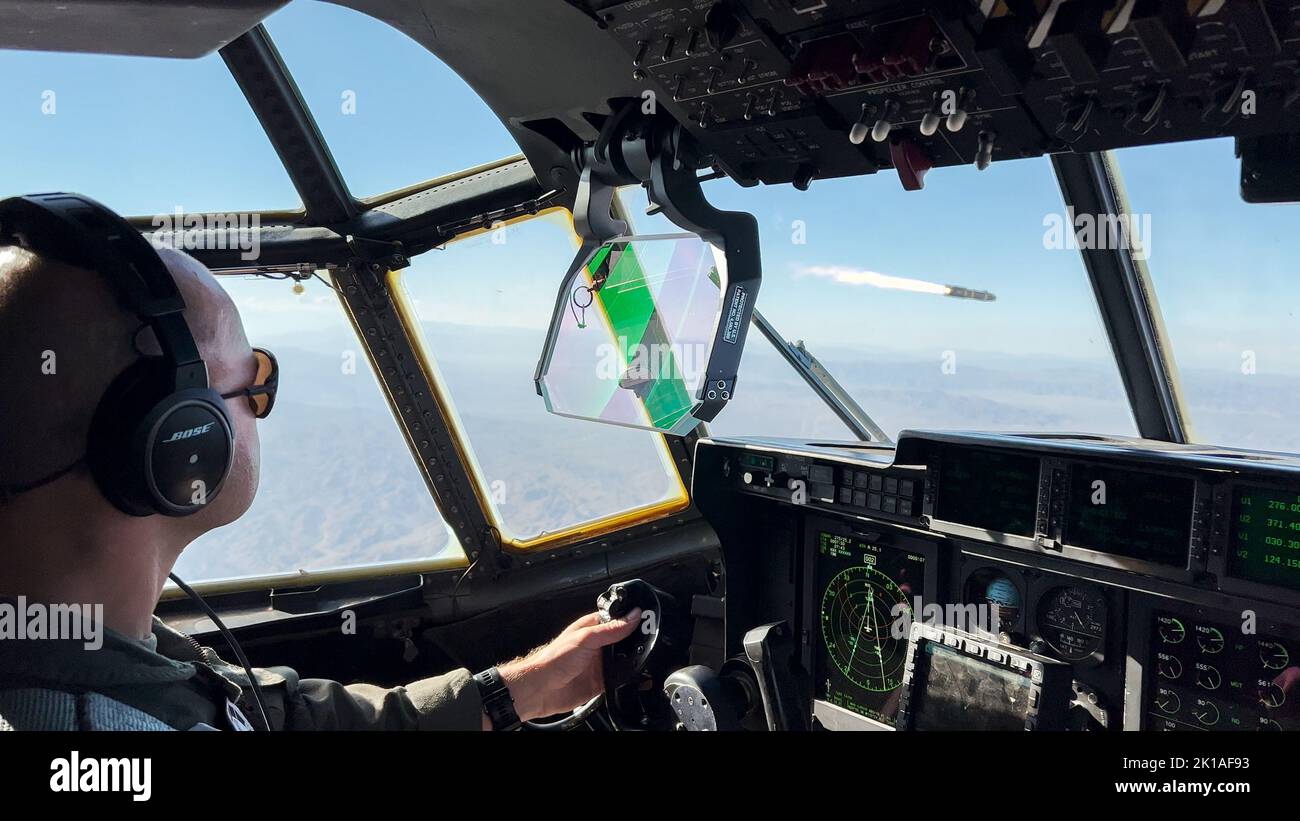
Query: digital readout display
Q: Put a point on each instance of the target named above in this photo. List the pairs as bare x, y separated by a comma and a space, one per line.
1265, 541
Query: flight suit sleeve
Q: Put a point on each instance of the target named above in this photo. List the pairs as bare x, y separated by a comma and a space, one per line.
446, 702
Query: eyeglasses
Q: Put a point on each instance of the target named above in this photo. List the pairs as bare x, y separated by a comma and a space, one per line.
261, 394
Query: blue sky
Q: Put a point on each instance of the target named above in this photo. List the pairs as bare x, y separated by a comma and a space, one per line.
148, 135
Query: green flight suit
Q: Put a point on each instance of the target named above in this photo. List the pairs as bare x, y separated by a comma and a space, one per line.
186, 686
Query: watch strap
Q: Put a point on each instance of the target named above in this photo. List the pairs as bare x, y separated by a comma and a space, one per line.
497, 702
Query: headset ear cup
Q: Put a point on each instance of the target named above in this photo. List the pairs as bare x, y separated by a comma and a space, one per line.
187, 444
153, 451
119, 473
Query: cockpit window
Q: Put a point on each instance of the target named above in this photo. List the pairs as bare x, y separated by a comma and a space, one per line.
127, 131
1225, 275
960, 306
391, 112
483, 305
338, 487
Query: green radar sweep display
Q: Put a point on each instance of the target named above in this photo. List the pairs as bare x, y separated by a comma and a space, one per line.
868, 594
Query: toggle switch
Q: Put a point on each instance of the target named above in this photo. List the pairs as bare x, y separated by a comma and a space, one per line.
984, 153
715, 73
692, 41
957, 119
930, 122
804, 176
858, 133
880, 131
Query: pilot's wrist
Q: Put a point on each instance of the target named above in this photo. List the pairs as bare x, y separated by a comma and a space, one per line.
520, 678
499, 711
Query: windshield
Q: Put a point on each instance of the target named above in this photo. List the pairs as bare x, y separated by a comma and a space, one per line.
1224, 272
960, 306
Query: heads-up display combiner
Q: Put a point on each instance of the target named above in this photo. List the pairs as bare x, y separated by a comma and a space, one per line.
648, 331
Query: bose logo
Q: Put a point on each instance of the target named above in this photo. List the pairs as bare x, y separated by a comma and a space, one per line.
192, 432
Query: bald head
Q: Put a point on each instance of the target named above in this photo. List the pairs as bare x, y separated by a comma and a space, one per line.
66, 338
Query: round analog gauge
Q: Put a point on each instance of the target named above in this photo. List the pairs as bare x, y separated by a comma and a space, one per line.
1172, 630
857, 615
1273, 655
1271, 695
998, 598
1210, 640
1208, 677
1072, 621
1167, 701
1205, 712
1168, 666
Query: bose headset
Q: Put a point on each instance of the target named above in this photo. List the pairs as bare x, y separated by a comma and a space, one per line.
161, 439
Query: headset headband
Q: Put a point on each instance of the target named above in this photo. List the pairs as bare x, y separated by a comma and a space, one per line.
79, 231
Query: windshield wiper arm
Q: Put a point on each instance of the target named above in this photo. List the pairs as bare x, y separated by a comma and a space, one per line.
820, 380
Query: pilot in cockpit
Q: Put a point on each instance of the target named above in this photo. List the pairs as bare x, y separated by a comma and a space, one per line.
74, 531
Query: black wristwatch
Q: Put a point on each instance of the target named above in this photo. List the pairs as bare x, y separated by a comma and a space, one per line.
497, 703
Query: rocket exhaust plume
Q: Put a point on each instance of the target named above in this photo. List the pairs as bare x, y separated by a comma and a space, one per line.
858, 276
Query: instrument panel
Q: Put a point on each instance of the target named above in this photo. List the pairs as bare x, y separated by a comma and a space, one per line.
793, 90
1163, 577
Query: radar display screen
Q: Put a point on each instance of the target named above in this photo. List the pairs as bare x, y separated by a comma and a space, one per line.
867, 595
964, 693
1209, 675
1266, 536
1143, 516
988, 489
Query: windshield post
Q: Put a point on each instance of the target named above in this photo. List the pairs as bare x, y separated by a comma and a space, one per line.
1121, 283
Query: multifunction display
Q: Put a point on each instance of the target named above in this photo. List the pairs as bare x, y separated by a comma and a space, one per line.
1265, 544
1145, 516
988, 489
962, 693
867, 597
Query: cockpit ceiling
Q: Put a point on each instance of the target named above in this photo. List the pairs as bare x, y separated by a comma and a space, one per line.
777, 91
143, 28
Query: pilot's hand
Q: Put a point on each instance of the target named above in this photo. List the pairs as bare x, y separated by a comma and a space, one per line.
566, 673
